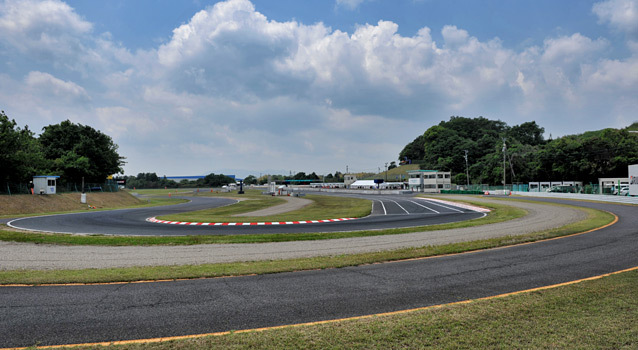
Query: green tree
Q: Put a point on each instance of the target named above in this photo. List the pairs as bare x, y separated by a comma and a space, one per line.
80, 151
20, 154
414, 151
528, 133
250, 180
214, 180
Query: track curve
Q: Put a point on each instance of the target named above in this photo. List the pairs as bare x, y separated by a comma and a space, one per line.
79, 314
388, 212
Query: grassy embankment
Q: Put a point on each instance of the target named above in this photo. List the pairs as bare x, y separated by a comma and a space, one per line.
31, 205
594, 314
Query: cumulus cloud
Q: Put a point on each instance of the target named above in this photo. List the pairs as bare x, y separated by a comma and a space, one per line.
619, 14
232, 85
47, 84
44, 29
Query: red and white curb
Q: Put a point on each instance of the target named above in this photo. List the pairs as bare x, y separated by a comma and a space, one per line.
460, 205
153, 219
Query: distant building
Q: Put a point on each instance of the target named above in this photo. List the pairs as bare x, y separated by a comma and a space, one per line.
611, 185
349, 179
371, 185
431, 181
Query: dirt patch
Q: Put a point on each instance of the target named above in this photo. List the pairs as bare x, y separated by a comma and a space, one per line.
35, 204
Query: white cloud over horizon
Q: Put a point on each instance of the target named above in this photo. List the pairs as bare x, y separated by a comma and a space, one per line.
232, 89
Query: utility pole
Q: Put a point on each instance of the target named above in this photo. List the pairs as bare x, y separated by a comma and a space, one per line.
467, 171
504, 160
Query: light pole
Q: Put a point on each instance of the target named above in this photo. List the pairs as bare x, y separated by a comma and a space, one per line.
467, 171
504, 159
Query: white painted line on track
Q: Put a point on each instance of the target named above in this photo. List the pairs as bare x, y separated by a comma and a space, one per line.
397, 203
385, 212
449, 205
186, 223
428, 208
446, 207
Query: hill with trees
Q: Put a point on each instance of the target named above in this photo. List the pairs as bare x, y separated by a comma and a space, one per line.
529, 156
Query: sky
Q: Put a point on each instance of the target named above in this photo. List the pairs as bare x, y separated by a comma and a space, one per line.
283, 86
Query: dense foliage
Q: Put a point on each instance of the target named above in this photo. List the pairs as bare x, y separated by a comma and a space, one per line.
151, 180
80, 151
72, 151
529, 157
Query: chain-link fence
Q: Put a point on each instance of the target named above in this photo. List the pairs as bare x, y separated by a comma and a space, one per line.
562, 188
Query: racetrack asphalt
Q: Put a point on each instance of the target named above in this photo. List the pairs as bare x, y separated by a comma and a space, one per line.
15, 256
388, 212
78, 314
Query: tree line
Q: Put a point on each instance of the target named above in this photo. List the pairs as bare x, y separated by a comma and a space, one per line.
528, 155
71, 151
262, 180
151, 180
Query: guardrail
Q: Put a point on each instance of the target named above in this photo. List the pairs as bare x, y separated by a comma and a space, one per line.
580, 196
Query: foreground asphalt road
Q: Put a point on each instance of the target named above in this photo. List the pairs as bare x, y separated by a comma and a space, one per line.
388, 212
76, 314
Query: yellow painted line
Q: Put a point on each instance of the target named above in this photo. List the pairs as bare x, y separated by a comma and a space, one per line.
118, 283
400, 312
382, 262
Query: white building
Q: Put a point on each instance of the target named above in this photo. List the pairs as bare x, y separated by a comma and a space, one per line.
45, 184
611, 185
371, 185
349, 179
430, 181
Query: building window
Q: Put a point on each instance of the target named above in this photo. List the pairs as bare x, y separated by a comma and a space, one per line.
439, 176
447, 176
51, 182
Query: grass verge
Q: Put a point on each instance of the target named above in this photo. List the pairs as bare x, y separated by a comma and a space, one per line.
141, 203
499, 213
321, 208
594, 220
594, 314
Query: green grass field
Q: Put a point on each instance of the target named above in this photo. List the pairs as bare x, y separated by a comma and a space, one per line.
322, 208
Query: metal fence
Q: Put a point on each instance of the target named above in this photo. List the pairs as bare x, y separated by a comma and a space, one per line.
11, 188
585, 189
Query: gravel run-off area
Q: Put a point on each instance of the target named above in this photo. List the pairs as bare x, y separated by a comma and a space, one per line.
15, 256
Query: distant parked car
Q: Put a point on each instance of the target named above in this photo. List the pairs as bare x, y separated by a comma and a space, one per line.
624, 191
